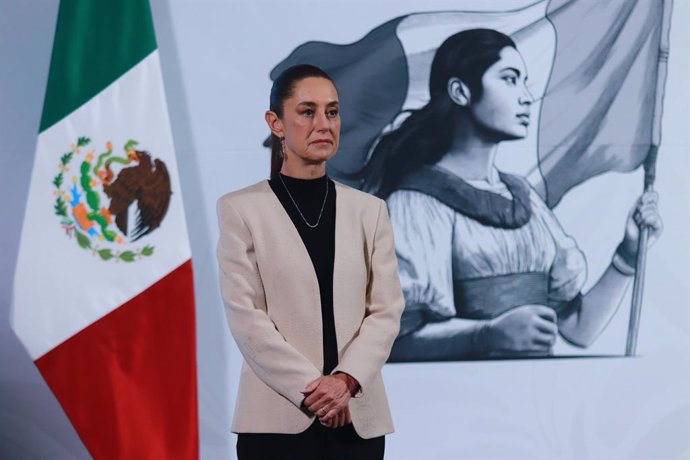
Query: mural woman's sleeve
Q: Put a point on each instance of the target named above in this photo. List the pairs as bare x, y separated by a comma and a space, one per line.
569, 268
423, 229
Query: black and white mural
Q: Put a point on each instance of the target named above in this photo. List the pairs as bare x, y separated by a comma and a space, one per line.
431, 100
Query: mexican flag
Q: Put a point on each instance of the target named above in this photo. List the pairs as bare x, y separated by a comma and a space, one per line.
103, 295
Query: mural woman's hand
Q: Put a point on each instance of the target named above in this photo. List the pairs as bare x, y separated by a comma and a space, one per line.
644, 212
527, 328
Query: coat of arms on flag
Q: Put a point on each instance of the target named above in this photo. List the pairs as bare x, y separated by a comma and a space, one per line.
107, 201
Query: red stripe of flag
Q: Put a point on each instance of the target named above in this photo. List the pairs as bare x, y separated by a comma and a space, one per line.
128, 381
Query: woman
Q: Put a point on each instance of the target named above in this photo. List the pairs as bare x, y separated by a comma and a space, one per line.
486, 268
309, 278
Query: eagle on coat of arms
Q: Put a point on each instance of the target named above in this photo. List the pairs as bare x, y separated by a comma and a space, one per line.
113, 200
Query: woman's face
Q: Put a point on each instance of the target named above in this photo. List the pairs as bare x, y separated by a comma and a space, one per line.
311, 121
504, 106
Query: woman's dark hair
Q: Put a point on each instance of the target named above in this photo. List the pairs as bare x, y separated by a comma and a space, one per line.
426, 135
282, 89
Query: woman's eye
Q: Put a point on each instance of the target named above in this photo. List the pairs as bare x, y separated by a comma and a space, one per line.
332, 113
308, 113
510, 79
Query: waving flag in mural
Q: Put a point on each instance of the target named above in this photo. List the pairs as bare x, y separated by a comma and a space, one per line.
480, 262
104, 297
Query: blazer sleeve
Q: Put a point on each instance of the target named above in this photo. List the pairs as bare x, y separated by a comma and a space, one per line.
277, 363
370, 349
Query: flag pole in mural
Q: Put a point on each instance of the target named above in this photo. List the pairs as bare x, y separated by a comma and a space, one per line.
103, 296
649, 178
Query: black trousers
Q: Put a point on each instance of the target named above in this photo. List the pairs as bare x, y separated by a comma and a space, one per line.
315, 443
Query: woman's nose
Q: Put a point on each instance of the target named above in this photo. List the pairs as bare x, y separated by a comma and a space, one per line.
526, 97
321, 121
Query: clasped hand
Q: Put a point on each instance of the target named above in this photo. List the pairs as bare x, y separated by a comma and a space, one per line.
327, 398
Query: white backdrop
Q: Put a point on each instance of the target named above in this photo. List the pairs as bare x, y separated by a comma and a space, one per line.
216, 56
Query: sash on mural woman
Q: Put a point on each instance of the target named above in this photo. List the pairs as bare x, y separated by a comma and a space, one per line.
103, 297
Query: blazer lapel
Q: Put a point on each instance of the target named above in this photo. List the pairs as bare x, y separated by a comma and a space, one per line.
288, 234
349, 267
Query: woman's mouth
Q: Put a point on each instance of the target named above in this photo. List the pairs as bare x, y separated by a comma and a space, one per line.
524, 118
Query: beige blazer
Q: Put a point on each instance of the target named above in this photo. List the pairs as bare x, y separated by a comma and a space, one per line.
271, 296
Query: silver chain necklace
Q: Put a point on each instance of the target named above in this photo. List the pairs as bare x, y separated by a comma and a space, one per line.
298, 209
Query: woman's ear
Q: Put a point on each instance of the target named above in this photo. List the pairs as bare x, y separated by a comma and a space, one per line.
274, 124
459, 92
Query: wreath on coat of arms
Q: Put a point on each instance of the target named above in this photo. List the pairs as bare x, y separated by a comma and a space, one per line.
111, 201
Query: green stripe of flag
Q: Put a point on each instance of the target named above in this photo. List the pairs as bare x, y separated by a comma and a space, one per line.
96, 41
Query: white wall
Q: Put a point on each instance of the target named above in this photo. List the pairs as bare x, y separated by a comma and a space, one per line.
216, 56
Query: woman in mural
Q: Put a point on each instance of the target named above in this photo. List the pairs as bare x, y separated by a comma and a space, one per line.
485, 266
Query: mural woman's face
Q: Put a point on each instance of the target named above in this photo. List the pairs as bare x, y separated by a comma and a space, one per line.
504, 106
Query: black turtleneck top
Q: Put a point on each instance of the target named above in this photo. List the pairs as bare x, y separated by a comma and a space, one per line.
308, 196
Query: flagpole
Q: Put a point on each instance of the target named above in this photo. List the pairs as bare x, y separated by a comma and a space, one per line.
649, 177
